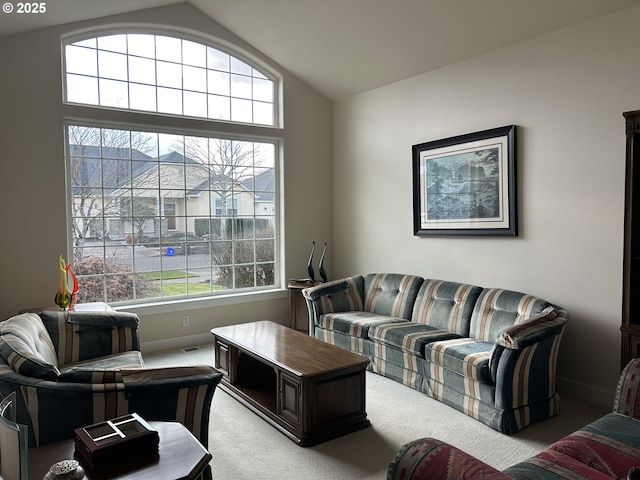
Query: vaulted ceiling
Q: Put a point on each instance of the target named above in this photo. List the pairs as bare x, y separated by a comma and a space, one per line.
345, 47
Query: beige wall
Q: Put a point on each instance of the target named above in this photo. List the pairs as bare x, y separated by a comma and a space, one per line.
566, 92
32, 179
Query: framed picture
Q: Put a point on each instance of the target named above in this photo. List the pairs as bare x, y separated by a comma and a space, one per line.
466, 185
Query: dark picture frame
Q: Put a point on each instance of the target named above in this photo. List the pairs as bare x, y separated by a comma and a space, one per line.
466, 185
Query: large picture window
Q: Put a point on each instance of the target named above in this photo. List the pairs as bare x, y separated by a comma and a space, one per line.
163, 213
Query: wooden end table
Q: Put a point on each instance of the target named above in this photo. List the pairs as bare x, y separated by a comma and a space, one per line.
180, 456
299, 311
308, 389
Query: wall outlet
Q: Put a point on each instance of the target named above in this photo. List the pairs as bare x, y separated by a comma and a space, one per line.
185, 320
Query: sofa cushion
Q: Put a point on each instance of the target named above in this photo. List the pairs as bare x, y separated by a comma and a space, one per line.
409, 337
356, 324
391, 294
101, 369
464, 356
497, 309
25, 345
445, 305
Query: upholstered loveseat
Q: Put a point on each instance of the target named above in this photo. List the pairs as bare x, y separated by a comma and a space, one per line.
488, 352
72, 369
607, 448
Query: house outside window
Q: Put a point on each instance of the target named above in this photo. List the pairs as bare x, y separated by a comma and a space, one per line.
165, 213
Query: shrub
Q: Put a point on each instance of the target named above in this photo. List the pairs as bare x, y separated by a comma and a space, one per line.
94, 274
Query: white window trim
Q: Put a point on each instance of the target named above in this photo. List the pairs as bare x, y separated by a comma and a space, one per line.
106, 117
185, 34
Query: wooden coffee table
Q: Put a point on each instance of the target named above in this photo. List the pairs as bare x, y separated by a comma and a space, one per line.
308, 389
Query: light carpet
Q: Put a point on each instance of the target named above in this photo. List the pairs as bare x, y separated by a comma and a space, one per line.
246, 447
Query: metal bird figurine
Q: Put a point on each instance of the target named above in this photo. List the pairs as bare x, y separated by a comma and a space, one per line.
321, 270
310, 271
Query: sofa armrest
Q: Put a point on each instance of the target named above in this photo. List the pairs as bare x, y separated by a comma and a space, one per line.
336, 296
428, 458
547, 323
523, 362
627, 398
52, 410
79, 336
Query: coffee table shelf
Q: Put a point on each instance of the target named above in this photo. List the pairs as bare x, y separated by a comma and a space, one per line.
308, 389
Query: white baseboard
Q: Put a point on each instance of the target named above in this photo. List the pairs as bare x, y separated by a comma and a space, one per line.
588, 393
184, 341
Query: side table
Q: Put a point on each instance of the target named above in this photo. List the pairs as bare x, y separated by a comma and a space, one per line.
180, 455
299, 311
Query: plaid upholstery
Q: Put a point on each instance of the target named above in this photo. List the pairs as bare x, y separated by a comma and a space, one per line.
445, 305
497, 308
102, 386
490, 353
391, 294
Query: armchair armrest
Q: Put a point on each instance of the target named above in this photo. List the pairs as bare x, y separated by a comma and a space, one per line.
428, 458
52, 410
79, 336
627, 398
336, 296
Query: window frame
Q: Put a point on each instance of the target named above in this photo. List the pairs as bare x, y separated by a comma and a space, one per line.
203, 39
156, 122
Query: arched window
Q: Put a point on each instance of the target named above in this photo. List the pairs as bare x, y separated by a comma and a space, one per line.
159, 212
167, 74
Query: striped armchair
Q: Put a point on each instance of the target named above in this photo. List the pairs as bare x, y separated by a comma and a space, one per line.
488, 352
71, 369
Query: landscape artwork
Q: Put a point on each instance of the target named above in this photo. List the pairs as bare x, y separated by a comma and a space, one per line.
466, 185
463, 186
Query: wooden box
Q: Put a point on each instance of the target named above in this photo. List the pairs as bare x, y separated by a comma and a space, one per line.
107, 443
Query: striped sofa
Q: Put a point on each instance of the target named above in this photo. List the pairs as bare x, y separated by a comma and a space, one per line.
72, 369
608, 448
488, 352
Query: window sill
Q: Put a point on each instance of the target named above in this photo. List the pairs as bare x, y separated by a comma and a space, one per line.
169, 306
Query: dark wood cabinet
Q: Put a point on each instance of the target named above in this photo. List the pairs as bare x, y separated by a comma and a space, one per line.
631, 260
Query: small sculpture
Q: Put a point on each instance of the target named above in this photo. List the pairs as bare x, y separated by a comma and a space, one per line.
65, 470
321, 270
65, 298
310, 271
